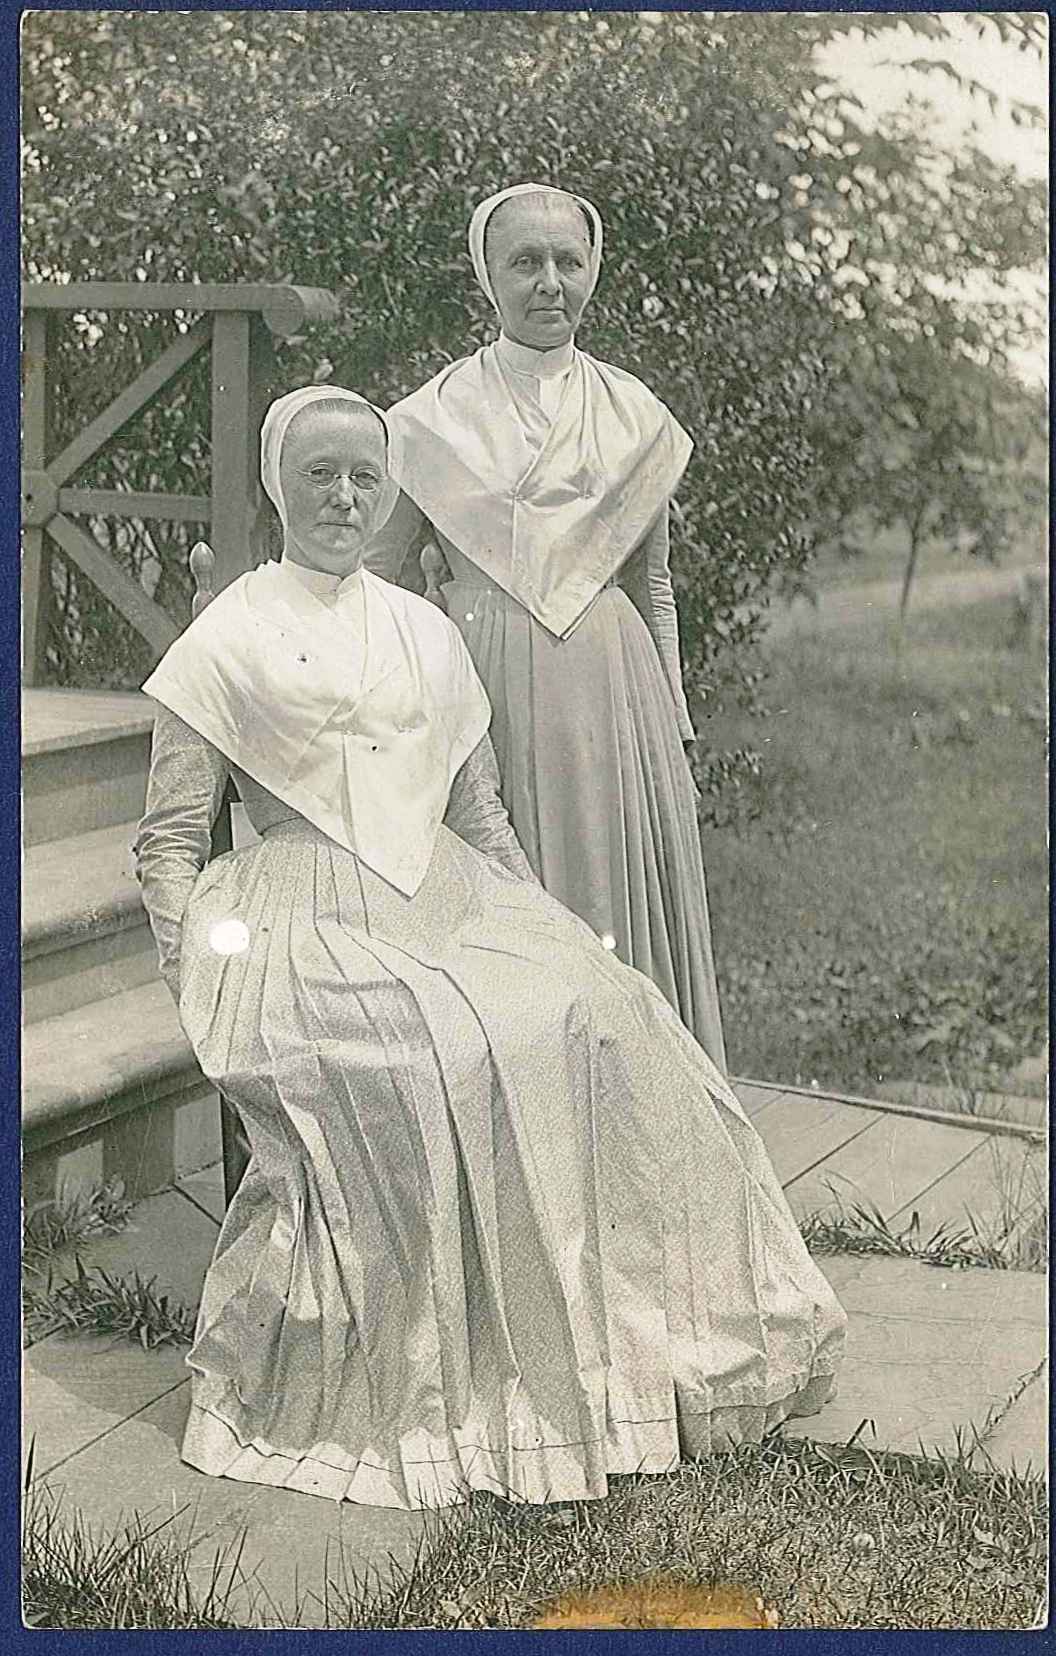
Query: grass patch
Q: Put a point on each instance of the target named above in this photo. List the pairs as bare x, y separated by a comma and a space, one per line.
877, 896
72, 1221
94, 1301
61, 1296
138, 1577
1009, 1245
826, 1537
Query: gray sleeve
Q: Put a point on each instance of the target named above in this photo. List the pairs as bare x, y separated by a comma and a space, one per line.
475, 812
185, 789
393, 551
646, 578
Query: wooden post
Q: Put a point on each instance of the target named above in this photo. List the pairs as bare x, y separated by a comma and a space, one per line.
244, 377
234, 447
263, 387
36, 559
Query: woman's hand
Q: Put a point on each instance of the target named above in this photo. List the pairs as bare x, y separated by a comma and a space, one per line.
434, 568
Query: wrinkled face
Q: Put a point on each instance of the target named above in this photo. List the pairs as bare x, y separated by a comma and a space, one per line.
537, 251
332, 471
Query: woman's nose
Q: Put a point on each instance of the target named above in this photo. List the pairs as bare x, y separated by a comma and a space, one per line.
344, 491
548, 277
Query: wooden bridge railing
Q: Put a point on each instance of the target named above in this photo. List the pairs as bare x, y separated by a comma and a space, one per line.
238, 324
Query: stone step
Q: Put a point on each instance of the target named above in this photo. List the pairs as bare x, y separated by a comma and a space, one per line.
84, 930
111, 1089
84, 761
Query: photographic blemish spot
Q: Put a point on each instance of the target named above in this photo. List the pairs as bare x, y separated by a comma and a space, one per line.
229, 937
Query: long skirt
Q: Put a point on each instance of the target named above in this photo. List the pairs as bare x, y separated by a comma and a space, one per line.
597, 785
505, 1226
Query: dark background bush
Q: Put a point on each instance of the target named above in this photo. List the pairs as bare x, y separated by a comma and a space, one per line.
347, 150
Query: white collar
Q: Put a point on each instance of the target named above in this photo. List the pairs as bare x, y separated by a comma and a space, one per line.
320, 581
541, 365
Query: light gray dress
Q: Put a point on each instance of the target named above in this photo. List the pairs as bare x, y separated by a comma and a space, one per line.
588, 732
504, 1225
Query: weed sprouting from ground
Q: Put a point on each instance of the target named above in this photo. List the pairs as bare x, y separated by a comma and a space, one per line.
824, 1536
72, 1221
136, 1577
1010, 1235
94, 1301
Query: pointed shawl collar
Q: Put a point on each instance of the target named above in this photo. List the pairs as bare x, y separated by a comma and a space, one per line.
552, 526
358, 716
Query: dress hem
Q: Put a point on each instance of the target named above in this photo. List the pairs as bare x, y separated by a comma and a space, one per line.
421, 1479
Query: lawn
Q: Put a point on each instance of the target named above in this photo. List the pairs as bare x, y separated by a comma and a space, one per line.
788, 1534
813, 1536
883, 558
879, 909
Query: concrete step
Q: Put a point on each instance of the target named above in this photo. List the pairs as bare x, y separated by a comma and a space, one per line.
84, 761
110, 1086
112, 1089
84, 930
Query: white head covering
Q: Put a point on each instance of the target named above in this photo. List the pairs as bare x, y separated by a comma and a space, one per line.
550, 521
277, 423
478, 225
357, 715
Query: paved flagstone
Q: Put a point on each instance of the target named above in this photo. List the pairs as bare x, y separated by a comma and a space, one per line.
1020, 1441
275, 1550
933, 1355
78, 1390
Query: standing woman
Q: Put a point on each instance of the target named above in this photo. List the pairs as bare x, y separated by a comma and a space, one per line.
545, 478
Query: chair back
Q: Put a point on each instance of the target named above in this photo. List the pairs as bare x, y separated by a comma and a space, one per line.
203, 568
235, 1146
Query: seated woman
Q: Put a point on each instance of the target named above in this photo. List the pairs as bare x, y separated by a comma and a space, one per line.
505, 1225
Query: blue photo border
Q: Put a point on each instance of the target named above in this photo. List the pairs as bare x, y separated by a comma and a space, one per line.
13, 1636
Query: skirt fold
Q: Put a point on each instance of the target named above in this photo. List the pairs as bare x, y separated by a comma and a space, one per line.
597, 785
504, 1226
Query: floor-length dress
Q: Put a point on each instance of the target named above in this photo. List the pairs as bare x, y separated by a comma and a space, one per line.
588, 732
505, 1226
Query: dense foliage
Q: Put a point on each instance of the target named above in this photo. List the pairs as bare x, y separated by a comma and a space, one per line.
347, 149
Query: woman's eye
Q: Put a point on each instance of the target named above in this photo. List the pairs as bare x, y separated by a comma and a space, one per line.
322, 475
365, 480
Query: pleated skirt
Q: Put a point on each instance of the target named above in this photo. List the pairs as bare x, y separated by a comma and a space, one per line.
504, 1227
597, 785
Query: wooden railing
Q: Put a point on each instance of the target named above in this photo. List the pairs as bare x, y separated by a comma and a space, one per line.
237, 326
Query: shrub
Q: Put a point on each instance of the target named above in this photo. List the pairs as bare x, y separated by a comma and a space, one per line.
348, 150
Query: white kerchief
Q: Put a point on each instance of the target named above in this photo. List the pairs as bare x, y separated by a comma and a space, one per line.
548, 497
353, 701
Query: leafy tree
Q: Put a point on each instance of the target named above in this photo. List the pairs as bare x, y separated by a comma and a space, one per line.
762, 244
939, 447
925, 426
349, 149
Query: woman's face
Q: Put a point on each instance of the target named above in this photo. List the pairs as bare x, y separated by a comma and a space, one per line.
331, 471
538, 256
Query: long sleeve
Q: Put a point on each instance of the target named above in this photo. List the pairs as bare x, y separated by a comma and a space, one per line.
393, 550
184, 793
646, 578
475, 812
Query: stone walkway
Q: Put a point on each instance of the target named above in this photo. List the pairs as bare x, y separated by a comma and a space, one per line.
936, 1357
